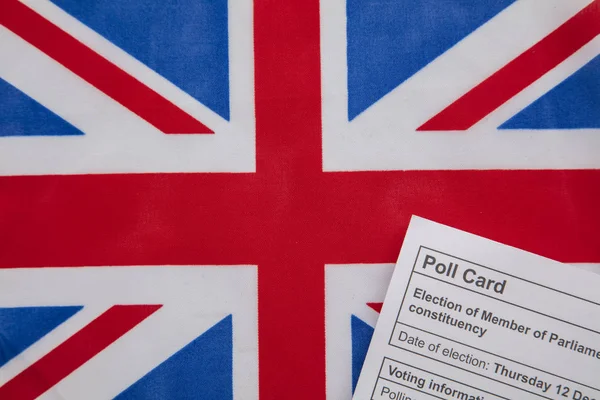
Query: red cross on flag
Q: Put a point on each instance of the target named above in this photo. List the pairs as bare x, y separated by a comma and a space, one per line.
202, 198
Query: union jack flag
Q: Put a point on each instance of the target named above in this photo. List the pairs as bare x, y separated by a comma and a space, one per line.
128, 333
204, 199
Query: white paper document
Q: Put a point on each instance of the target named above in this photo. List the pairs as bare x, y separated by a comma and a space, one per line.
468, 318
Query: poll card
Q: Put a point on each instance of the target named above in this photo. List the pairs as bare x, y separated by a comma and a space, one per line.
471, 319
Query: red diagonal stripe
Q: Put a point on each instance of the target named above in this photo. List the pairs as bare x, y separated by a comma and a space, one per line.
75, 351
97, 70
376, 306
519, 73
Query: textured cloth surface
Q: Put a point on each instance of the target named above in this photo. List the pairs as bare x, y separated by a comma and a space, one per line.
204, 199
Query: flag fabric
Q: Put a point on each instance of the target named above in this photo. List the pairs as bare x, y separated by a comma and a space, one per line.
128, 333
204, 199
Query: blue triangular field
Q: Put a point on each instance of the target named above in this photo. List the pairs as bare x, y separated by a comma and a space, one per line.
390, 41
573, 104
202, 370
20, 327
20, 115
191, 48
361, 338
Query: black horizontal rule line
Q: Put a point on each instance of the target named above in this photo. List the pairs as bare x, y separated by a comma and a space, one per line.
514, 276
411, 388
443, 377
474, 373
499, 356
507, 302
